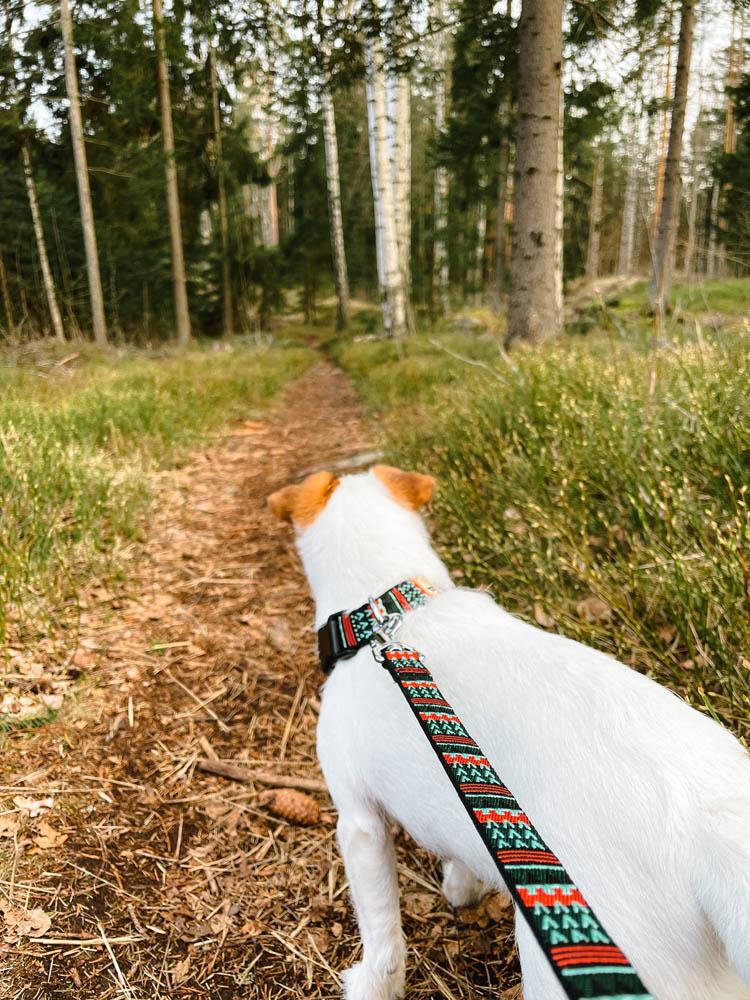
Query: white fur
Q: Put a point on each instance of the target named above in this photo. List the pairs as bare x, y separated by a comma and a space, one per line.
646, 801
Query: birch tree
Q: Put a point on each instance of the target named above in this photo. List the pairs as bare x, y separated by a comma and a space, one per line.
440, 252
670, 203
534, 307
226, 278
82, 178
179, 281
630, 206
390, 276
401, 173
595, 218
336, 223
41, 247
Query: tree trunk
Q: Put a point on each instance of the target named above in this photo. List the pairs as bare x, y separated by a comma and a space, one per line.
713, 225
401, 171
226, 278
390, 276
41, 246
9, 321
335, 220
629, 213
670, 206
502, 202
479, 249
534, 308
82, 178
692, 218
182, 315
595, 218
440, 252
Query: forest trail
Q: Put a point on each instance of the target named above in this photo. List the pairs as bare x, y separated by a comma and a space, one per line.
139, 874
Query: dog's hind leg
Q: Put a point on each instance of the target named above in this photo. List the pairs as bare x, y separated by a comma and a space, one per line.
367, 847
461, 887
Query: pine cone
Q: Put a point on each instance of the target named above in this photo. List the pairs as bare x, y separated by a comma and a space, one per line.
296, 807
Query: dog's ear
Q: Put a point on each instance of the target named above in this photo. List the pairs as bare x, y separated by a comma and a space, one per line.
302, 503
410, 489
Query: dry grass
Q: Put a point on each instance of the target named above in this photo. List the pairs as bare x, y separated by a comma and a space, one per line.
156, 879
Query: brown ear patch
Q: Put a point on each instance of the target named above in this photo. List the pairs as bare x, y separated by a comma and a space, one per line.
410, 489
302, 503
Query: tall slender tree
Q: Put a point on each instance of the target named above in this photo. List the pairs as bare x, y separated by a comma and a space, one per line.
670, 203
82, 178
226, 277
595, 217
179, 280
336, 222
534, 308
390, 275
440, 226
41, 246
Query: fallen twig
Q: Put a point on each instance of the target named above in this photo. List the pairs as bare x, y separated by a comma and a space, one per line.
224, 769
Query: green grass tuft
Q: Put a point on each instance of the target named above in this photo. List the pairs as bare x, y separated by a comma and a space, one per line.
596, 486
76, 449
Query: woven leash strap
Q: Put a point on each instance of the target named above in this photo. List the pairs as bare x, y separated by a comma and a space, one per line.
586, 961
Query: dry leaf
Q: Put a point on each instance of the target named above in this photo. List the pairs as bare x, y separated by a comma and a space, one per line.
180, 972
48, 837
9, 825
541, 617
20, 923
33, 807
593, 609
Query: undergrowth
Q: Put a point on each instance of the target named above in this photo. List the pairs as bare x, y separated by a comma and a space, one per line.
597, 486
77, 443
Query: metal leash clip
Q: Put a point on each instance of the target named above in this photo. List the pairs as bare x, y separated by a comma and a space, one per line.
382, 636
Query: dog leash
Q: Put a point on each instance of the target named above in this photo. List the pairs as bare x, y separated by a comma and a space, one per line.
588, 964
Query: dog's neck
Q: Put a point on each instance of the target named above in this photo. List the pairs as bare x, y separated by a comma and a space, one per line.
343, 574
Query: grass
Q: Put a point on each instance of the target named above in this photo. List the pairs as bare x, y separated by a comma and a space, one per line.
77, 443
598, 487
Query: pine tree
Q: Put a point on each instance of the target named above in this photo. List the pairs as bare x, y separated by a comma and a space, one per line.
82, 178
534, 307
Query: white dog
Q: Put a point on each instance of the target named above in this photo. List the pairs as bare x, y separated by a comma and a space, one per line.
646, 801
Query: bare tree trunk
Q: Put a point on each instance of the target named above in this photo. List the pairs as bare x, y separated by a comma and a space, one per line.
82, 179
182, 315
534, 308
500, 235
560, 209
713, 225
440, 252
595, 218
392, 290
670, 207
692, 217
336, 223
269, 193
480, 248
41, 246
9, 321
226, 278
629, 211
401, 169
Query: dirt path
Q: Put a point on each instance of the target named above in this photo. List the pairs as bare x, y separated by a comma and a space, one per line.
139, 874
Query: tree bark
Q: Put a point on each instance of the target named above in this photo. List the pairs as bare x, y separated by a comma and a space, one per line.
479, 248
226, 278
534, 308
595, 218
670, 205
82, 179
440, 252
629, 210
182, 315
335, 220
401, 170
9, 321
500, 234
41, 246
392, 292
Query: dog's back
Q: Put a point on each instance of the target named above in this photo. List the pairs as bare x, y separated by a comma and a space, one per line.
646, 801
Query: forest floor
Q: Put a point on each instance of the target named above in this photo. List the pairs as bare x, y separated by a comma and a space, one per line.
134, 873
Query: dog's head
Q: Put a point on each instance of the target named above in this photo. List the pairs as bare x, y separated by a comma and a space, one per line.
302, 503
